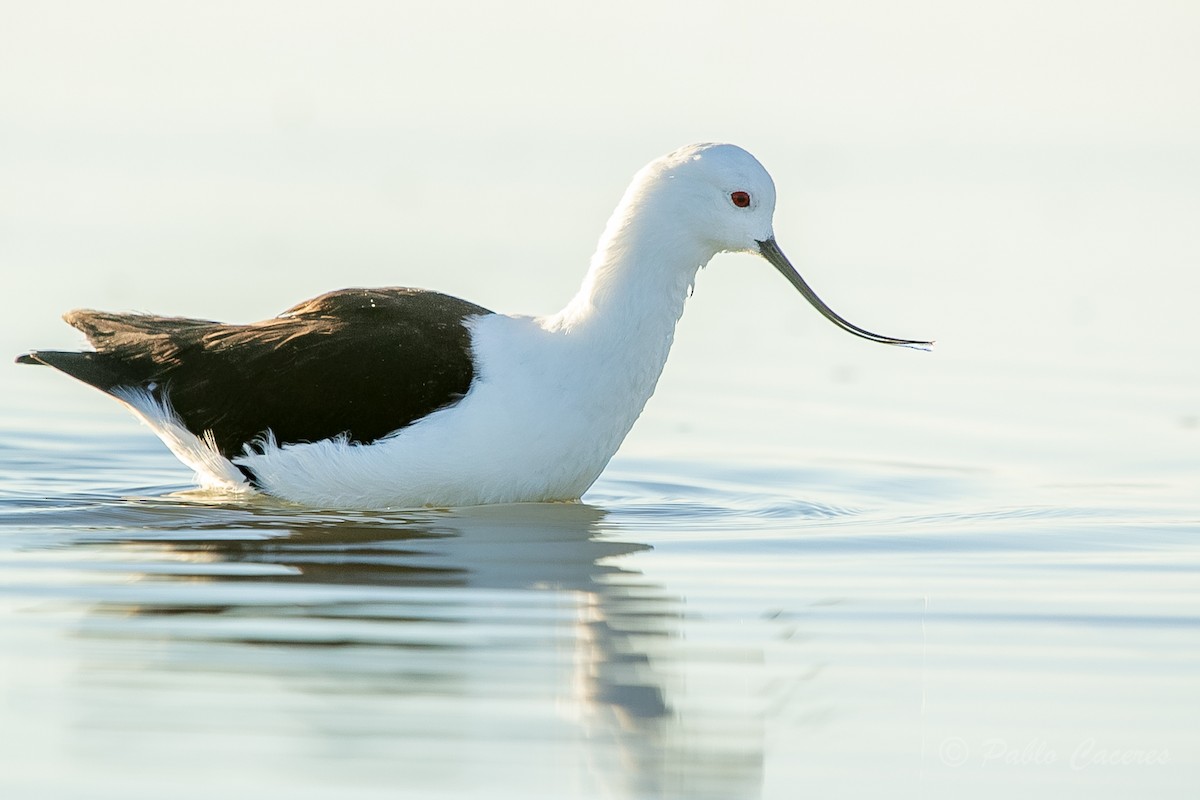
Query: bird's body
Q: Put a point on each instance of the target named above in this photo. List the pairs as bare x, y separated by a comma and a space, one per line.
402, 398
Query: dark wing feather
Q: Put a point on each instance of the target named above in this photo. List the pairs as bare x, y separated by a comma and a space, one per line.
359, 362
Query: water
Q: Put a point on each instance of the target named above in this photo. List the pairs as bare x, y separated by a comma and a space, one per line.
694, 629
818, 567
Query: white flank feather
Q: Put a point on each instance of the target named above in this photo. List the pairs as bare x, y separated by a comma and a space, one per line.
213, 471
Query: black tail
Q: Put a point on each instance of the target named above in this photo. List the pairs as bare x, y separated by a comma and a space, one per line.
97, 369
127, 346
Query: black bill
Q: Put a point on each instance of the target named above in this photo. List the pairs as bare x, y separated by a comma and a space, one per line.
771, 252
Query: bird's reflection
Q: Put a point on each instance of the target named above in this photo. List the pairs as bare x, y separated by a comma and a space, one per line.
437, 589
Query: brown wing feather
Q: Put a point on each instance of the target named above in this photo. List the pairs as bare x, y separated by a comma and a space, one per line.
357, 362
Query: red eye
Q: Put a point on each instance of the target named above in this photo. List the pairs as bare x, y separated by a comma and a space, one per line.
740, 199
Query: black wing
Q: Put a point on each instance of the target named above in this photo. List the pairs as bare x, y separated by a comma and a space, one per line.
359, 362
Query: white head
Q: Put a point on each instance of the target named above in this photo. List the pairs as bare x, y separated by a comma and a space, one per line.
705, 199
718, 193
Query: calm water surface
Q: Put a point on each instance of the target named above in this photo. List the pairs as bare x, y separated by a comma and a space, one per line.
724, 629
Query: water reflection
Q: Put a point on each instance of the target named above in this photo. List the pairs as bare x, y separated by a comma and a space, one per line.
477, 627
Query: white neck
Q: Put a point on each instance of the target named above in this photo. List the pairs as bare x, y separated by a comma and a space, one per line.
622, 321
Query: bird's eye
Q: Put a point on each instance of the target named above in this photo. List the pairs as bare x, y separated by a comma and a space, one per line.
740, 199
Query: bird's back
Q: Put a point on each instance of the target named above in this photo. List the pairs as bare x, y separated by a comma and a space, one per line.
357, 362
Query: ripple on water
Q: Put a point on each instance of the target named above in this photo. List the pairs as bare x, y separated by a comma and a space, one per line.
690, 619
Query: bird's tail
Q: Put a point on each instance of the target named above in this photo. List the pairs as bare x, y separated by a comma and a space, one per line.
95, 369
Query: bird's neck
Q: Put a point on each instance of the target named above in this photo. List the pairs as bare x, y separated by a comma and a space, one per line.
622, 321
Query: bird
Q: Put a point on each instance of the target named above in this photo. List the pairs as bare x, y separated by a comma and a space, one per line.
397, 398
